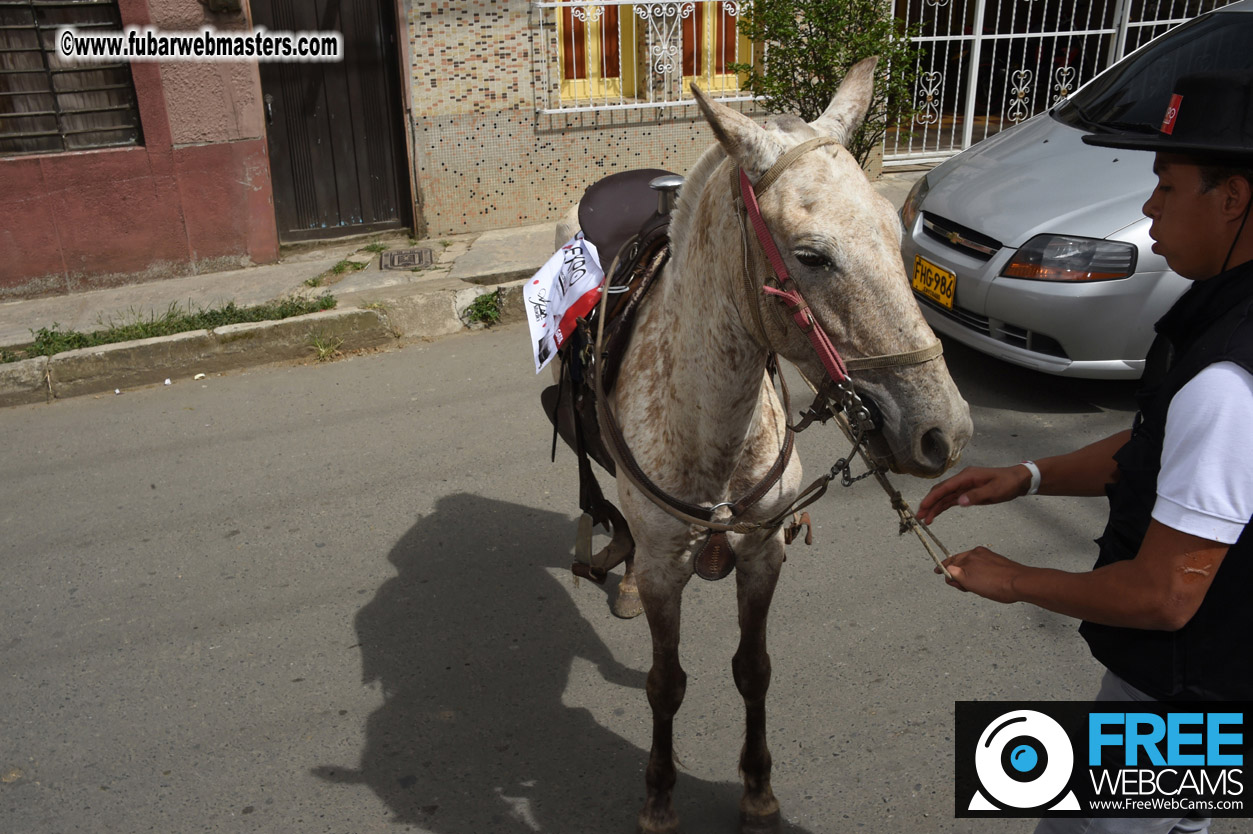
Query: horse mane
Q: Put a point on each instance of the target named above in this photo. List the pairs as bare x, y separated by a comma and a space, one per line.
689, 195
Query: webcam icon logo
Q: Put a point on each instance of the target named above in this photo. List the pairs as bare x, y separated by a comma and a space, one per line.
1024, 760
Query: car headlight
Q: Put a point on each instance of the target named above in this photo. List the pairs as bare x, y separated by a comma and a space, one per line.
912, 207
1065, 258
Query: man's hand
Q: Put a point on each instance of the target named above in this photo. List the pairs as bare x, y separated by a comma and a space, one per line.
1086, 471
973, 486
982, 572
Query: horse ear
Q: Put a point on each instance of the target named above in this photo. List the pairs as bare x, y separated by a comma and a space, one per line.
847, 110
745, 141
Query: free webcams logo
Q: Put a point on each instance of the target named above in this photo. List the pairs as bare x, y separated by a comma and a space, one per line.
1024, 761
1079, 758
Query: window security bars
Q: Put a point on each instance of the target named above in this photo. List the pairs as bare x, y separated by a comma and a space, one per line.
48, 105
620, 55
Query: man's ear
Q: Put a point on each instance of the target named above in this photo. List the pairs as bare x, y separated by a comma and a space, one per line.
1237, 191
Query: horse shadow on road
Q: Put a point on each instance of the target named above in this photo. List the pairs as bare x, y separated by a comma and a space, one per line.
472, 644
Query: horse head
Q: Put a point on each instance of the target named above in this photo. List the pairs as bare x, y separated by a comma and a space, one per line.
840, 241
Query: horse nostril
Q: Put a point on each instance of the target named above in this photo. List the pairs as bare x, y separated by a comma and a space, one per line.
935, 448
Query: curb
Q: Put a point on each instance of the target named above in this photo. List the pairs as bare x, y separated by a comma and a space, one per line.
420, 315
151, 361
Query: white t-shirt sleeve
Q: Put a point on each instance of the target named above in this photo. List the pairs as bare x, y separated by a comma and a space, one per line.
1206, 482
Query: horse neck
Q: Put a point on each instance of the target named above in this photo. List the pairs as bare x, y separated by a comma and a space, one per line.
702, 369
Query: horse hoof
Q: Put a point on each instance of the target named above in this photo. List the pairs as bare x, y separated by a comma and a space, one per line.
627, 604
760, 823
668, 825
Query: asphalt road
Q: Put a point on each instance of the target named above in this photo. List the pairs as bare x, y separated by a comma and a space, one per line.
336, 598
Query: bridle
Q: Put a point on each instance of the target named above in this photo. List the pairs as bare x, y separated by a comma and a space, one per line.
838, 382
835, 395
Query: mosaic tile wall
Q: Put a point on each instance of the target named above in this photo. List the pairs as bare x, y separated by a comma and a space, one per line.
485, 157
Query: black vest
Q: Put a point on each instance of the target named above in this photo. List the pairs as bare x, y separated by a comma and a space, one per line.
1210, 658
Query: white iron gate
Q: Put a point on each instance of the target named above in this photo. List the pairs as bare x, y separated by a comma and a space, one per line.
985, 65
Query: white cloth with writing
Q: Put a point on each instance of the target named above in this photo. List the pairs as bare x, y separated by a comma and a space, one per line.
564, 289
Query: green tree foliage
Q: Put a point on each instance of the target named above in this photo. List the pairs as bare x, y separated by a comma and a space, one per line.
811, 44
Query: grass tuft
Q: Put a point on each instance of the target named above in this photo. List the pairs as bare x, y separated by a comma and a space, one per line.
326, 347
348, 266
485, 309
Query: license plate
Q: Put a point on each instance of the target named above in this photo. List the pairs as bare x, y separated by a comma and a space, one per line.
934, 282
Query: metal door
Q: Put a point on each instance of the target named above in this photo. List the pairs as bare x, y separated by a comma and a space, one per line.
335, 130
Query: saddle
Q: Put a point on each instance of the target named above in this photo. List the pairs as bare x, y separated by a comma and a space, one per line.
627, 217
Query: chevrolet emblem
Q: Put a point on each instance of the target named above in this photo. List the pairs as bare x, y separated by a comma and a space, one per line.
954, 238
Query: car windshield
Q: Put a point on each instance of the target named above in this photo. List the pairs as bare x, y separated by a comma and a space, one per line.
1135, 91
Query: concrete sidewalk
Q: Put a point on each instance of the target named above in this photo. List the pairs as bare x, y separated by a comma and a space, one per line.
376, 308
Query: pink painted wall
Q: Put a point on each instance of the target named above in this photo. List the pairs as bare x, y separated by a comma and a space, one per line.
195, 197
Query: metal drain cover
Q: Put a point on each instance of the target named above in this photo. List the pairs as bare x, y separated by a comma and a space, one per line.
406, 258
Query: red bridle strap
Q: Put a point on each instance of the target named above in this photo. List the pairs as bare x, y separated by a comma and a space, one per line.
791, 296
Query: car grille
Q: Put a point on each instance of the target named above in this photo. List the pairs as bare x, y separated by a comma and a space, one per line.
1003, 331
959, 237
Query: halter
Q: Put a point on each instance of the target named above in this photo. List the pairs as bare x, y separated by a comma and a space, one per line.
837, 369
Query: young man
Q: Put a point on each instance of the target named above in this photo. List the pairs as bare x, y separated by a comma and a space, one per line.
1166, 608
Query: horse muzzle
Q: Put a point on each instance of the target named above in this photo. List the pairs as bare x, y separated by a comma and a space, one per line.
925, 448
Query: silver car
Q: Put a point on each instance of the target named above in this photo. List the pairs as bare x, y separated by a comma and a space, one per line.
1031, 246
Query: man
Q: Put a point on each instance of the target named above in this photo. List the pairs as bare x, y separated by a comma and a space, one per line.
1166, 608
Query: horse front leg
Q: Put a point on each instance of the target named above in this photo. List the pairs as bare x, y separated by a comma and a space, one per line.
661, 594
755, 583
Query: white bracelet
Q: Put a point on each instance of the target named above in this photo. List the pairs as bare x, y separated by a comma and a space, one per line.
1035, 476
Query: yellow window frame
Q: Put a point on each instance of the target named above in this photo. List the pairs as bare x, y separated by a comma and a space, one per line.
597, 84
711, 80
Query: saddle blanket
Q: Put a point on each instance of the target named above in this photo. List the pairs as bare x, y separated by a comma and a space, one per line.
565, 289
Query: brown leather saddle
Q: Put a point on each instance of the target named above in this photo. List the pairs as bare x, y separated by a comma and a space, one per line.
626, 216
616, 209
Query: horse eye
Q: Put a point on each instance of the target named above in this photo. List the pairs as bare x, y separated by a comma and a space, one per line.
813, 259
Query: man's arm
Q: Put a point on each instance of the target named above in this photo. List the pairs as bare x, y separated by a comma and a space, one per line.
1160, 589
1204, 503
1085, 471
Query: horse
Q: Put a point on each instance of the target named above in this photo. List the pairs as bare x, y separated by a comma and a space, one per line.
697, 408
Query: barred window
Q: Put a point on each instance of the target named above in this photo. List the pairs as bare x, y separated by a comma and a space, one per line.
49, 105
710, 46
628, 55
590, 41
